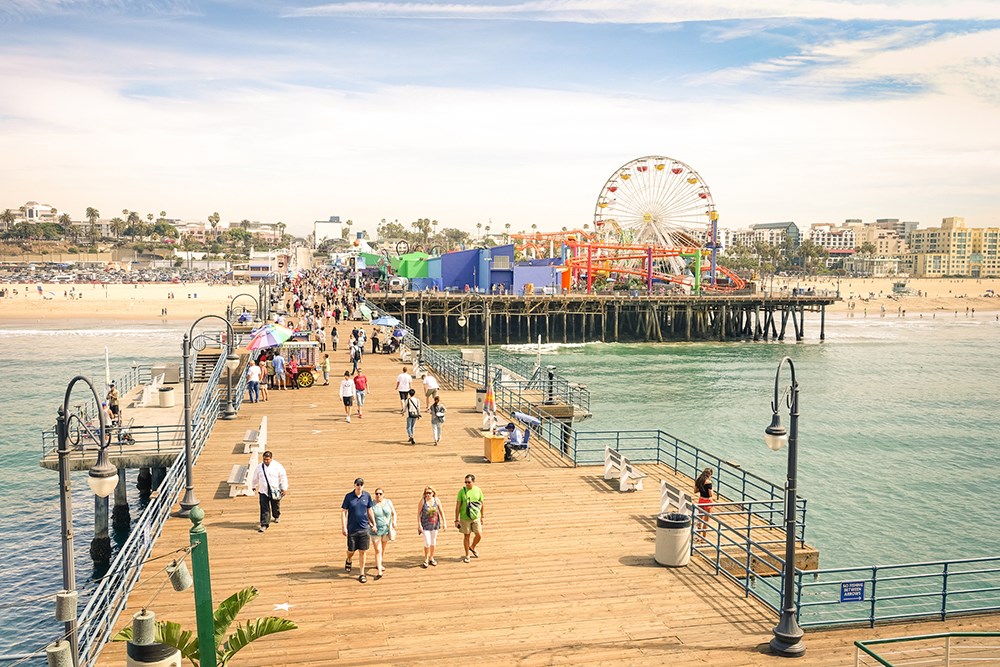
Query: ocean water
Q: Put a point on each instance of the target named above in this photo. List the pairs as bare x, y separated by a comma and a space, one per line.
899, 434
38, 366
899, 426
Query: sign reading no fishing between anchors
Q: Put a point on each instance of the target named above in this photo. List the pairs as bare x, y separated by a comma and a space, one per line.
852, 591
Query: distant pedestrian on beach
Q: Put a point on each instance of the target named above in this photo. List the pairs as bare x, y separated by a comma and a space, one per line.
384, 529
469, 511
347, 394
430, 519
437, 411
357, 518
403, 382
360, 389
271, 483
703, 486
412, 414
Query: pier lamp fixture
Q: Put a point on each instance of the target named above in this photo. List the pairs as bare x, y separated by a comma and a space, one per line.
420, 336
232, 363
463, 320
787, 640
231, 310
72, 431
402, 304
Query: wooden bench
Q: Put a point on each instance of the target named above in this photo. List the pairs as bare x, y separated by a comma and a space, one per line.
673, 500
255, 439
240, 477
616, 465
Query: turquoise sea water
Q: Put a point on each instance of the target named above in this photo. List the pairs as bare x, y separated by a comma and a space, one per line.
899, 431
899, 439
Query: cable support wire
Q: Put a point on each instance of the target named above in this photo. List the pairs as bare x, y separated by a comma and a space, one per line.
94, 583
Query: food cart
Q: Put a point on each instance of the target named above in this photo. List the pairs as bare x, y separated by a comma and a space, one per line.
306, 354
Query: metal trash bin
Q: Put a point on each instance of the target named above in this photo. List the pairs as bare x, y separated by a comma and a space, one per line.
480, 399
673, 539
166, 397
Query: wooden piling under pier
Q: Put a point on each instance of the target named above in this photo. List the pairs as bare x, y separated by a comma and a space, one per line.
581, 318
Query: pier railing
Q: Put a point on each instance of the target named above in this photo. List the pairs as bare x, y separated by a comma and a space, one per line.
878, 593
108, 599
937, 650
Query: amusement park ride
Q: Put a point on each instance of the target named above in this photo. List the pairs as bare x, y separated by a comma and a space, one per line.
649, 222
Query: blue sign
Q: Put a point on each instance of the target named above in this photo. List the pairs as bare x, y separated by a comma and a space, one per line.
852, 591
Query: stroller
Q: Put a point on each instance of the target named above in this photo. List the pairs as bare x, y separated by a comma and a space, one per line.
124, 433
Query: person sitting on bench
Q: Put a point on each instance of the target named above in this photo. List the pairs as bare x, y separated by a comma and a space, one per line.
514, 437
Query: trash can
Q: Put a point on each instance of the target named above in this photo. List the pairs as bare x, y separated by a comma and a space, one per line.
480, 399
673, 539
166, 397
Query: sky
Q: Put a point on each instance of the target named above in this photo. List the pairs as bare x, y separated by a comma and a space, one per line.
500, 112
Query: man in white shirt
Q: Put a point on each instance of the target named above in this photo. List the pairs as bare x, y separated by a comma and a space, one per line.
347, 391
271, 482
403, 384
431, 387
253, 382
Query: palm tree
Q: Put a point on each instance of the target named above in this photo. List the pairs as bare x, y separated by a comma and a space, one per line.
8, 217
281, 230
117, 226
506, 232
434, 227
214, 221
93, 215
534, 228
134, 222
479, 226
185, 641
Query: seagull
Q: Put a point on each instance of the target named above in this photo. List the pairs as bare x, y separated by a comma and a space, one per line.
282, 607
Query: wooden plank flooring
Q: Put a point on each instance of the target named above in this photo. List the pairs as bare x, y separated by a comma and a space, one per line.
566, 575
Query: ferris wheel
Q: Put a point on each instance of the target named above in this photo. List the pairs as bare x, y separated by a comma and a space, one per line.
655, 200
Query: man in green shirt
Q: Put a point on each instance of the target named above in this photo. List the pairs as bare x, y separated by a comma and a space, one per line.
469, 515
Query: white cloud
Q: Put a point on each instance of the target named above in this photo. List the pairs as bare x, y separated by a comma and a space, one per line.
643, 11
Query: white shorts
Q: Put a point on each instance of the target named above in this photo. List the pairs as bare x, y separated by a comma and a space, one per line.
430, 538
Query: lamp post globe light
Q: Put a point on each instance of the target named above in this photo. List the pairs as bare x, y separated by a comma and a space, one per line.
787, 639
71, 431
232, 363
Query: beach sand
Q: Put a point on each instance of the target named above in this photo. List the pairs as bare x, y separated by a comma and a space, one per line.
144, 302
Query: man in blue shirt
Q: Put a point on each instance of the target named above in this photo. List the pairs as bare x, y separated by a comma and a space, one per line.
358, 519
279, 370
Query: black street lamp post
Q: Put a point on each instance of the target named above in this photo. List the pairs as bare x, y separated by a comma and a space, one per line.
72, 430
232, 362
787, 640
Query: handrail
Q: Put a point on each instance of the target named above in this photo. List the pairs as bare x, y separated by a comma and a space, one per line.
96, 622
934, 653
934, 589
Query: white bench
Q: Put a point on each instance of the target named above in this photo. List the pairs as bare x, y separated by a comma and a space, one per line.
616, 465
240, 477
150, 393
255, 439
672, 497
404, 354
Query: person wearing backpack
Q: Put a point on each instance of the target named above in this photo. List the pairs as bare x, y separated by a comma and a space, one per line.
437, 411
469, 516
412, 414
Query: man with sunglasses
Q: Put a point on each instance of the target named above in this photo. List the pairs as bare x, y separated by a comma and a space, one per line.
357, 519
469, 510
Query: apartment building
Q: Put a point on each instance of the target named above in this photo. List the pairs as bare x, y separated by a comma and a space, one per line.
955, 250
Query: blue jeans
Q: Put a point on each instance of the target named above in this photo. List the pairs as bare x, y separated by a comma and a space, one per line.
410, 423
254, 388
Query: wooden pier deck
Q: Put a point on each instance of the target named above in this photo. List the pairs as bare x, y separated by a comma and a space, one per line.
566, 574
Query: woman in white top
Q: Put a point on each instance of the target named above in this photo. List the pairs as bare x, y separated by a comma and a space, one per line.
384, 529
347, 393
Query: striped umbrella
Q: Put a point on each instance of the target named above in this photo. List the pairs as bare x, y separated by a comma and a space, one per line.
490, 401
269, 335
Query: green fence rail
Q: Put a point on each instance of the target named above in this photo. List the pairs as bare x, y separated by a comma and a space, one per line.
948, 649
